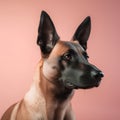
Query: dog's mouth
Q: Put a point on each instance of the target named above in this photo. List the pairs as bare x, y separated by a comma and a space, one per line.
73, 85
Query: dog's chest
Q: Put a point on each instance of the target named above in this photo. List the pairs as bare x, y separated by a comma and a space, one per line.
35, 104
40, 110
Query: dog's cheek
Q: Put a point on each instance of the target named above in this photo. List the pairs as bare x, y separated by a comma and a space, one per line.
50, 70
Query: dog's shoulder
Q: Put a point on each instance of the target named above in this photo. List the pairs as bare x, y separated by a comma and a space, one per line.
10, 112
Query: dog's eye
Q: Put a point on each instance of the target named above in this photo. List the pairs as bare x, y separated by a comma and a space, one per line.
85, 55
67, 56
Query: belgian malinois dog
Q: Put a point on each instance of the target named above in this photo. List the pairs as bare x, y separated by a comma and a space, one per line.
63, 68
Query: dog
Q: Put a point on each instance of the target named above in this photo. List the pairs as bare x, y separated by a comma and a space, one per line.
63, 68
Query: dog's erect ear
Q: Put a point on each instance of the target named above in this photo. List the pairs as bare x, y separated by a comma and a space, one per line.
47, 35
83, 31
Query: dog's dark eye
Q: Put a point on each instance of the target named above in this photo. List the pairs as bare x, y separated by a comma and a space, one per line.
67, 56
85, 55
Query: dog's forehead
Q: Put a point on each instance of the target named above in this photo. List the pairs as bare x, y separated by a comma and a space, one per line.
63, 46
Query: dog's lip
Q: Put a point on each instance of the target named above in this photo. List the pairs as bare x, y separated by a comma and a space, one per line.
71, 86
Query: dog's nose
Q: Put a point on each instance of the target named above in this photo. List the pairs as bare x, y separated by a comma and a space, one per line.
97, 75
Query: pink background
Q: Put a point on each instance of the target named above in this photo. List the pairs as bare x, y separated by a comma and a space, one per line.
19, 53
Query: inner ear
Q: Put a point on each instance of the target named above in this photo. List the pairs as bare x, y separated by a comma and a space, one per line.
47, 35
82, 33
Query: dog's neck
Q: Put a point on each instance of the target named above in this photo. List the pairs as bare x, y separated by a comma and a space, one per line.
53, 98
57, 97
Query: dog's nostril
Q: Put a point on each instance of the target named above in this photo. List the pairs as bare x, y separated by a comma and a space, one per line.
99, 75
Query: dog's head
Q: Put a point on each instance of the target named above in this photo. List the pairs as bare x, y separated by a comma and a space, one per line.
66, 62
